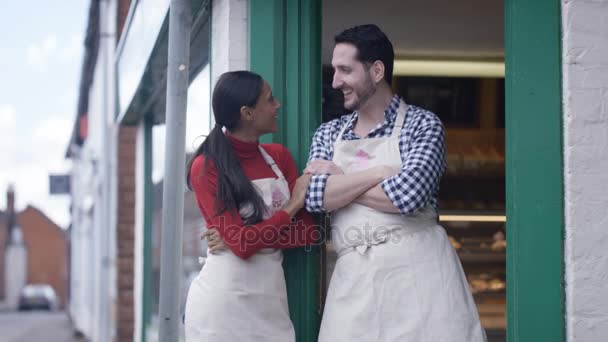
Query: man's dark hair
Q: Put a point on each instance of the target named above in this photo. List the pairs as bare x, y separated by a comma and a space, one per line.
372, 45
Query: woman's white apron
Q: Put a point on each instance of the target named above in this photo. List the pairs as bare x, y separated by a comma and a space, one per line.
236, 300
397, 278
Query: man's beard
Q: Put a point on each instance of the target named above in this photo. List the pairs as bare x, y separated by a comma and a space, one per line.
366, 93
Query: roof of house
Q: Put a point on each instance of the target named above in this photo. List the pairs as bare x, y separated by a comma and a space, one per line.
91, 45
40, 213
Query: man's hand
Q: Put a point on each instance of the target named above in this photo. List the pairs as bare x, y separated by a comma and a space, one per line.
323, 167
214, 241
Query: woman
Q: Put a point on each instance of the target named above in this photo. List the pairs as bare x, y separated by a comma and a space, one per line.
243, 191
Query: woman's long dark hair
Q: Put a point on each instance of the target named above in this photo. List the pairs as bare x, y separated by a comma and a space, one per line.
232, 91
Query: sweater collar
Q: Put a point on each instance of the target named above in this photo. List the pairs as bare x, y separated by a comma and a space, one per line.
244, 149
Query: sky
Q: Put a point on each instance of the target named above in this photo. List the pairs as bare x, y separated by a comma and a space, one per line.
41, 53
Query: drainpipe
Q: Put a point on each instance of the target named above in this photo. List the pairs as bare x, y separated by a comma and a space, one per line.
180, 18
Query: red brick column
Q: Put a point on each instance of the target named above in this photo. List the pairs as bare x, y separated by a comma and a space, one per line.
121, 17
125, 320
125, 235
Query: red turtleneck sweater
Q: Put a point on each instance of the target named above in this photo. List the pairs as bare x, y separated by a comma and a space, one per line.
276, 232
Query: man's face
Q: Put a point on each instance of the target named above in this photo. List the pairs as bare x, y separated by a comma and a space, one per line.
351, 76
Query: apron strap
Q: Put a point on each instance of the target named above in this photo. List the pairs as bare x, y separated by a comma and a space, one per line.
400, 120
271, 162
350, 120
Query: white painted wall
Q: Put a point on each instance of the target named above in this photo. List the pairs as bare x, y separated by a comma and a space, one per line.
95, 141
83, 178
93, 246
229, 37
15, 264
585, 101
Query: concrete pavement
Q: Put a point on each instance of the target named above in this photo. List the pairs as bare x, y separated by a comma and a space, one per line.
32, 326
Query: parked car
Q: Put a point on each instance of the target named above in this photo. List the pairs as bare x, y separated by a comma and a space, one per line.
38, 296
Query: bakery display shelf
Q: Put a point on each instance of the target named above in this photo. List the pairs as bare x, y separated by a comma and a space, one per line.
478, 257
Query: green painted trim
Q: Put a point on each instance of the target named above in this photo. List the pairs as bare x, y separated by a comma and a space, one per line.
148, 227
285, 38
267, 48
534, 171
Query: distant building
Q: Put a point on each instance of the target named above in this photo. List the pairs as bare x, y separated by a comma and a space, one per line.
47, 249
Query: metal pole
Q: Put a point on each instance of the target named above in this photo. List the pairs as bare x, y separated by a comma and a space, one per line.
180, 19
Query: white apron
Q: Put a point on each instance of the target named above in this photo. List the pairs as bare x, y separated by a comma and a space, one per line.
397, 278
236, 300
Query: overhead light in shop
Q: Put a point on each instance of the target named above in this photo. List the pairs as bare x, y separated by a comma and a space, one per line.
473, 218
448, 68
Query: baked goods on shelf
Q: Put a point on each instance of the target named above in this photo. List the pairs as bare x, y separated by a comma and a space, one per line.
485, 283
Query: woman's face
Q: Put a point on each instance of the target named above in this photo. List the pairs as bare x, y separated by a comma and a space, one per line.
265, 113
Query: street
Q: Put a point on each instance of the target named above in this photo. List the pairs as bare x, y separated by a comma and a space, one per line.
36, 326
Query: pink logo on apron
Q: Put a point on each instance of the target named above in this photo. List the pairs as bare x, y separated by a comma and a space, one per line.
362, 160
278, 199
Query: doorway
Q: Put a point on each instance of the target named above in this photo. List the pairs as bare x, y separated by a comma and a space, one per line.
457, 72
286, 46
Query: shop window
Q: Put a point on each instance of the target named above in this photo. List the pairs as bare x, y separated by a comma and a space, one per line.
198, 117
454, 99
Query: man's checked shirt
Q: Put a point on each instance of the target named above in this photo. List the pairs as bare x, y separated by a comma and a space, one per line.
421, 142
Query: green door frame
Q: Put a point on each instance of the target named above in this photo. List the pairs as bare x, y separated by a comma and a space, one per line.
285, 48
534, 169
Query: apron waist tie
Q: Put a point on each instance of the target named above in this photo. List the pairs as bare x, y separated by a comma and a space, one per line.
365, 243
362, 246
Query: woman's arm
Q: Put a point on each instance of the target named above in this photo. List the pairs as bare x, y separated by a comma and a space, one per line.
243, 240
303, 231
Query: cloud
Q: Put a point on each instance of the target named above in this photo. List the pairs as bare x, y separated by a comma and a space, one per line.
8, 129
72, 49
54, 130
39, 54
28, 159
51, 49
8, 118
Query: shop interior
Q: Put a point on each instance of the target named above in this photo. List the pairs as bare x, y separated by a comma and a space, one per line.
450, 60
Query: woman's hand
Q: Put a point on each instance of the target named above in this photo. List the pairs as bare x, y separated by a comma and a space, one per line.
298, 195
323, 167
214, 241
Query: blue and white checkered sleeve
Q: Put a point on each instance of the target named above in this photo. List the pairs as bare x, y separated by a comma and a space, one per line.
423, 164
319, 149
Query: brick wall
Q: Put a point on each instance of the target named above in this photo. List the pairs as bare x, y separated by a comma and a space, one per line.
585, 105
125, 233
47, 251
121, 16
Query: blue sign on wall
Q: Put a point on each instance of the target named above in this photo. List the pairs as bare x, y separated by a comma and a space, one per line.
59, 184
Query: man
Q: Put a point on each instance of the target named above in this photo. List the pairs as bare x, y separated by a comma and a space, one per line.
377, 171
